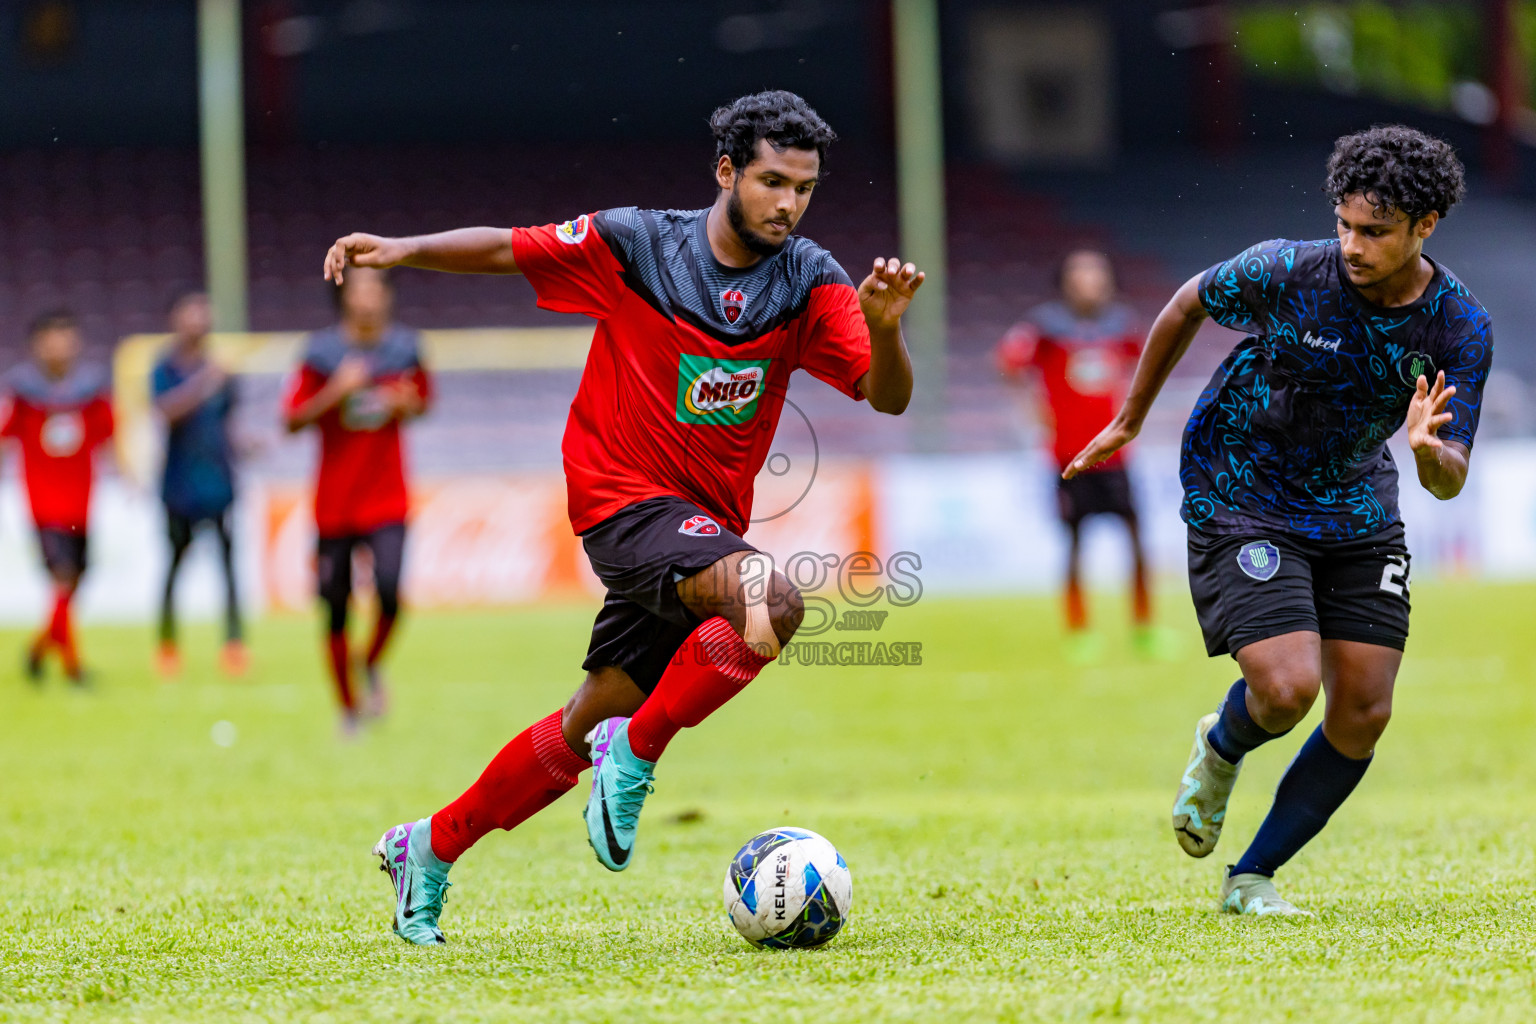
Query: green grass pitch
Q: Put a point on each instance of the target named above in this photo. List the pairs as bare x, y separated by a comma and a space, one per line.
1005, 816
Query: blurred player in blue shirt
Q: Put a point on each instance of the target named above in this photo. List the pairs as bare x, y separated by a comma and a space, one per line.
197, 398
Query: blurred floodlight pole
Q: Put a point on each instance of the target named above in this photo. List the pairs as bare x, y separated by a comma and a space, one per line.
222, 116
920, 201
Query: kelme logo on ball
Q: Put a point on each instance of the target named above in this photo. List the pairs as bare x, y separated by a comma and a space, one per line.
1259, 559
719, 391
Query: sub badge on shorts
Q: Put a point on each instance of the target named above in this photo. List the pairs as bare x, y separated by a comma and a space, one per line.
700, 526
1259, 559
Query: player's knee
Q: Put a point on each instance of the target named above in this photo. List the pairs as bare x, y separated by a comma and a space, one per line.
389, 600
1284, 695
336, 614
788, 608
1369, 719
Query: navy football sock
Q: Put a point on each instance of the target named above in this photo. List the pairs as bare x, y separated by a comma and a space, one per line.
1235, 732
1314, 786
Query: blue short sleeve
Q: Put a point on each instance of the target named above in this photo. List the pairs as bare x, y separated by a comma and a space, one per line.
1244, 289
1466, 368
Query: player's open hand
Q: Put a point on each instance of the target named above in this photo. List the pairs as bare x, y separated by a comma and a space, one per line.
402, 400
1110, 440
352, 374
363, 250
888, 290
1426, 413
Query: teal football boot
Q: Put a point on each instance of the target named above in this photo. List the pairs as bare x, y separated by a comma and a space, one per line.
420, 880
620, 784
1255, 895
1200, 809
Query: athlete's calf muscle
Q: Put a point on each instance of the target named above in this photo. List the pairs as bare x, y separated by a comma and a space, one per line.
1359, 679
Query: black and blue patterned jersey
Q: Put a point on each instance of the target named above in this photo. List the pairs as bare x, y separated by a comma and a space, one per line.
1290, 433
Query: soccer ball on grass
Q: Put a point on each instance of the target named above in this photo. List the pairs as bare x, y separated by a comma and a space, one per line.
788, 888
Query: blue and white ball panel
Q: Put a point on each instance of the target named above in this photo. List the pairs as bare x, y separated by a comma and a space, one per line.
788, 888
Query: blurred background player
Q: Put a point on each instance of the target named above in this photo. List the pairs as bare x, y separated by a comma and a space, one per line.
358, 382
1082, 347
702, 316
197, 399
1298, 561
59, 413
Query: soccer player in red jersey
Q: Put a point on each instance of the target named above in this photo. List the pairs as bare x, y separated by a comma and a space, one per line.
59, 414
358, 382
1083, 349
701, 317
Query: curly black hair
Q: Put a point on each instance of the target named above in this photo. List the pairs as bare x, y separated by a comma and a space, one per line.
1396, 168
781, 117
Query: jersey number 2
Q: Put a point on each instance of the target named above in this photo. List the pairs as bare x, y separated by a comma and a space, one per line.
1394, 576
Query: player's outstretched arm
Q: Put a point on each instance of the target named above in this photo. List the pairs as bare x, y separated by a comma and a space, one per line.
883, 297
1442, 465
461, 251
1167, 342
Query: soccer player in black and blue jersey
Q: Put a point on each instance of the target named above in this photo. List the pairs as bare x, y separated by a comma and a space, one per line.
197, 399
1297, 561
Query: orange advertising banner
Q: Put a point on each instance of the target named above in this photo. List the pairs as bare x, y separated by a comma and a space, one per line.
479, 541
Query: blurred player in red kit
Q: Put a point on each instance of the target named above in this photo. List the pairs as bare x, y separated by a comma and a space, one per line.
59, 414
358, 382
1083, 348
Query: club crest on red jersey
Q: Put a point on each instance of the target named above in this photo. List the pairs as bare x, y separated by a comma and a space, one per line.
732, 302
700, 526
572, 232
63, 434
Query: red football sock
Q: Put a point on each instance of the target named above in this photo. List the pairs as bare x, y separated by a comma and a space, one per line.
1141, 597
61, 630
341, 670
1077, 612
710, 668
529, 774
381, 631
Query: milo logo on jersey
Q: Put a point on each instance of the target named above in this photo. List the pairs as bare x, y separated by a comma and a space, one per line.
719, 391
365, 409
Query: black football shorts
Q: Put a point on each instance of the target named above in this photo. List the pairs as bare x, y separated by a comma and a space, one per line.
640, 553
64, 552
1252, 586
1096, 492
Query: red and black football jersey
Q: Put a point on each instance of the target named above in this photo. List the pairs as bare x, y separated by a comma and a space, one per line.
58, 425
691, 359
1085, 365
361, 481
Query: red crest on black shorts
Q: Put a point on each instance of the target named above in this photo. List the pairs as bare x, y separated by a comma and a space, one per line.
732, 302
700, 526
